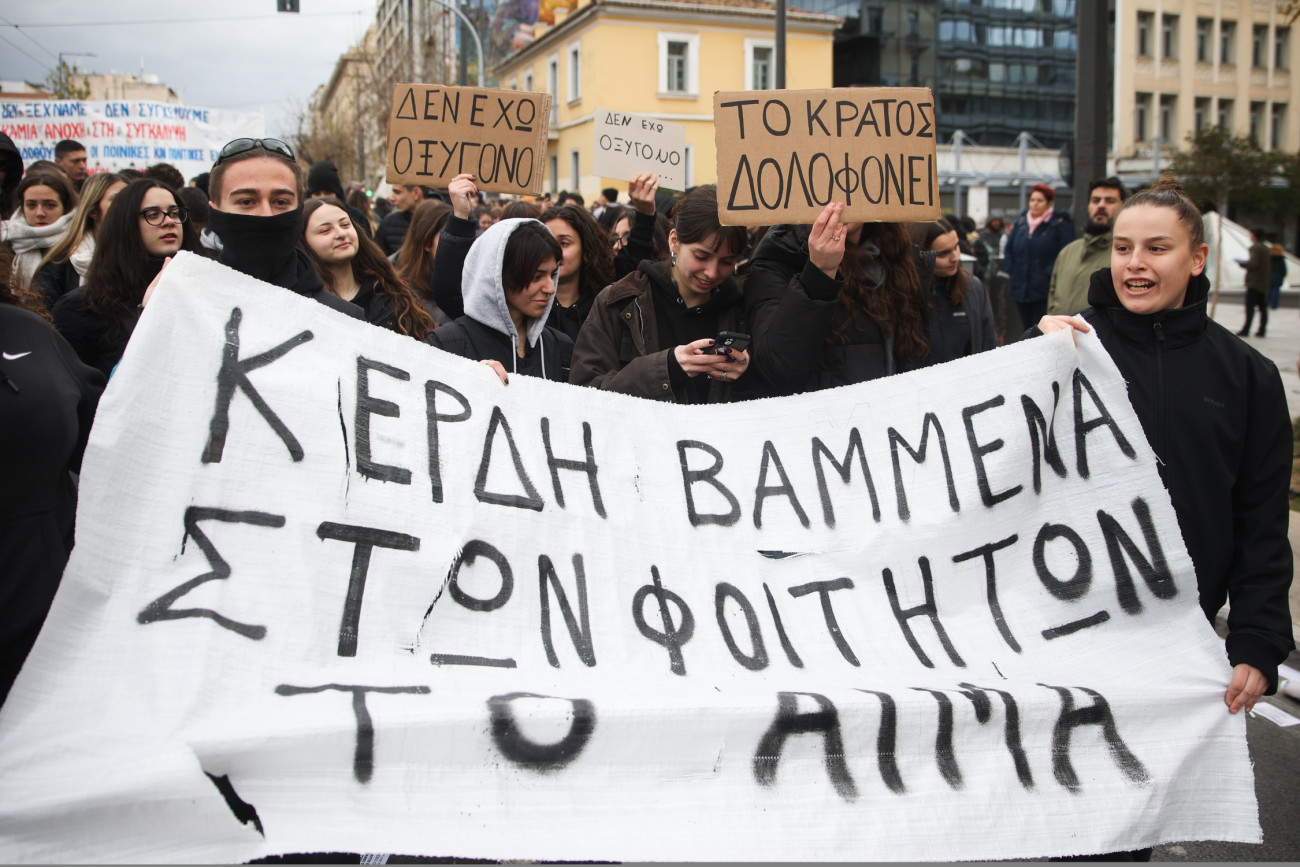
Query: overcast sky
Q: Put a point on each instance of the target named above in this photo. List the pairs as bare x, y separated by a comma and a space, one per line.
234, 54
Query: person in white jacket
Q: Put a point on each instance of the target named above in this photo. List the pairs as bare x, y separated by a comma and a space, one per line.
45, 203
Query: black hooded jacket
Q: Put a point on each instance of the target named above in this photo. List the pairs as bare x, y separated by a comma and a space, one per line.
11, 162
47, 403
793, 307
1215, 413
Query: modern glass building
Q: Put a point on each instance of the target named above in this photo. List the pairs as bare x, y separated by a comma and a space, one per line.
997, 67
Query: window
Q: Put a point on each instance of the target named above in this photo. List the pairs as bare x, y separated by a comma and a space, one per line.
555, 173
575, 71
1259, 46
679, 64
913, 23
1225, 114
513, 84
1201, 114
915, 70
1281, 47
1144, 34
875, 20
528, 81
760, 59
1257, 122
574, 167
1204, 27
1168, 117
1227, 34
553, 87
1169, 37
1277, 137
1141, 116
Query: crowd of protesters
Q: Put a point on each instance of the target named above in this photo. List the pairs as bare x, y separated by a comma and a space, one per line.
652, 297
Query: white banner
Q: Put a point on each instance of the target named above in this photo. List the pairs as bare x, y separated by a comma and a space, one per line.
336, 590
125, 134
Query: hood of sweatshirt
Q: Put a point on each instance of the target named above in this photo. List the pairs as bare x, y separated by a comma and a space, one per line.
481, 286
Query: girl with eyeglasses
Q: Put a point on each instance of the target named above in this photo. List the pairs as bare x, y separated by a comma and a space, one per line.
145, 225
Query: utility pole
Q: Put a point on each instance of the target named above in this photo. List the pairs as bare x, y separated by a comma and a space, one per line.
1092, 75
780, 45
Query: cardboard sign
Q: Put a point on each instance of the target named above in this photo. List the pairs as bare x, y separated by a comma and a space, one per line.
335, 590
783, 155
436, 132
626, 144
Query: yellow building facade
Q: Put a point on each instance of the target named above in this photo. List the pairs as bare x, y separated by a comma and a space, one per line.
663, 59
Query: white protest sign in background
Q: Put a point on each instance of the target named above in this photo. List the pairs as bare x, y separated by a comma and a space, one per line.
123, 134
336, 590
626, 144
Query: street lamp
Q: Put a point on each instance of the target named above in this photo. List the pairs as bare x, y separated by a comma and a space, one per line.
63, 54
469, 25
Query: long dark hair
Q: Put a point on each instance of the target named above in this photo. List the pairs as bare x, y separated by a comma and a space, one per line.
370, 263
121, 268
896, 305
414, 261
597, 270
924, 235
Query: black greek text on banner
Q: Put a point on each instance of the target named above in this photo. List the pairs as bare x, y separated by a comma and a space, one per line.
335, 590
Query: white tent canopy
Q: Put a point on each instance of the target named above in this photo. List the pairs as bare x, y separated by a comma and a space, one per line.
1236, 245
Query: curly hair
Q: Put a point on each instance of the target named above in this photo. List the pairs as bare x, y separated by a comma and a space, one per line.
896, 303
597, 258
370, 263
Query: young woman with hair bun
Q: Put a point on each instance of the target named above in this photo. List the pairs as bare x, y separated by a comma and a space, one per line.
1215, 413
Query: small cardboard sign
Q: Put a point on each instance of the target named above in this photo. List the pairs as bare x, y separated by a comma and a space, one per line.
783, 155
436, 132
630, 143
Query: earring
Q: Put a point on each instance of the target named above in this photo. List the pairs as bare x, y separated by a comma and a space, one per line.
673, 254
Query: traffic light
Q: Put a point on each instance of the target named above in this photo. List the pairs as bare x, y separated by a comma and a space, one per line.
286, 5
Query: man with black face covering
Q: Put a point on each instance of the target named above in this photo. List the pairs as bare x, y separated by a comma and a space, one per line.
256, 211
1081, 257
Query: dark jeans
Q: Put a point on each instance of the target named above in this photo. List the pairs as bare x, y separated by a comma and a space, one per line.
1255, 298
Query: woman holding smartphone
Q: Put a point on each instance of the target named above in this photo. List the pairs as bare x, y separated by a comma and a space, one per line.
654, 334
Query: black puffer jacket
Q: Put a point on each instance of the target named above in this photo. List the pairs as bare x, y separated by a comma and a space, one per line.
792, 307
392, 231
1215, 413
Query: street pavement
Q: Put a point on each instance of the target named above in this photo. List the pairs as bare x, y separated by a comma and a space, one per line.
1274, 750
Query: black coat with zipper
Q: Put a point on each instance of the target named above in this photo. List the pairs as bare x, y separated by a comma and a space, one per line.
1215, 413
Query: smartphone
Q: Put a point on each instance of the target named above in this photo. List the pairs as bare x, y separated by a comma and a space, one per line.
732, 339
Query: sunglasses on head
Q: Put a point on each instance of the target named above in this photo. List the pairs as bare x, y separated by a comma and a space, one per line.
243, 145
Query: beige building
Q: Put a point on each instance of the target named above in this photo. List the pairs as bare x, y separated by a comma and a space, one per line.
663, 59
1182, 65
126, 86
348, 114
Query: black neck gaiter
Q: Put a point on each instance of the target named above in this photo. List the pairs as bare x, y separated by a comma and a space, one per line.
266, 248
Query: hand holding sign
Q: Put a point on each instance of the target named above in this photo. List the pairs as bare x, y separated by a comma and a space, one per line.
463, 195
826, 241
641, 189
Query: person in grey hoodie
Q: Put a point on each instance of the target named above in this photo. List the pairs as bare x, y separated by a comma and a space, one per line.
509, 285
